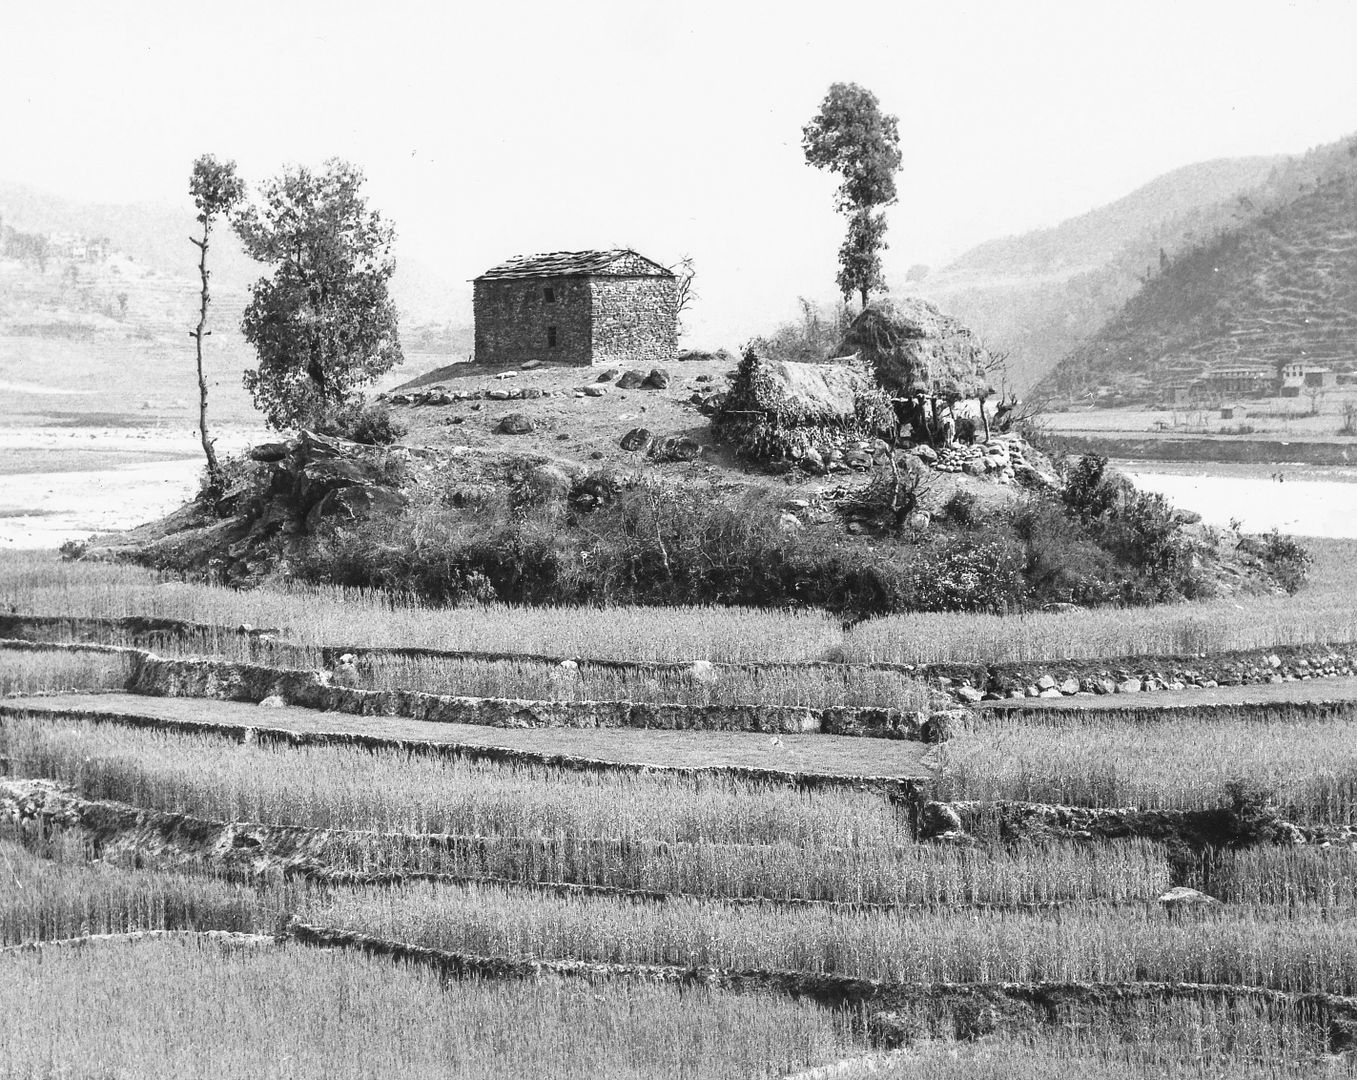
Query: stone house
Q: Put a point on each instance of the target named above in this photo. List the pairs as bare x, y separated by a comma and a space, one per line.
577, 307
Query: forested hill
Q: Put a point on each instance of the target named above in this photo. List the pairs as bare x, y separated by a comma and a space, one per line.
1038, 295
1278, 286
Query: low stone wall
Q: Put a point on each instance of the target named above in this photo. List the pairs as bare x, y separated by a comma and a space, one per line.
1138, 674
966, 682
230, 681
1215, 712
1013, 821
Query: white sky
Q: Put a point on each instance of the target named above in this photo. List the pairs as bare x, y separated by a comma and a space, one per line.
493, 129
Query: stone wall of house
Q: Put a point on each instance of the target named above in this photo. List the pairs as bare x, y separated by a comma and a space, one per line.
635, 320
514, 320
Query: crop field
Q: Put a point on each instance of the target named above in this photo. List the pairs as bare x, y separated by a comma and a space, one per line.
1321, 612
619, 922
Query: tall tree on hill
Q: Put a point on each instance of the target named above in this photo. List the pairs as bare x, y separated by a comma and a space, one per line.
323, 323
216, 192
851, 136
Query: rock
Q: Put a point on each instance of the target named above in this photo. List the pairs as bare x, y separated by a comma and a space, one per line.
497, 395
531, 365
609, 375
789, 522
1051, 693
1069, 686
858, 459
268, 452
515, 424
631, 380
658, 379
273, 701
940, 726
675, 449
1128, 686
597, 455
926, 454
1032, 691
702, 671
966, 692
812, 462
593, 391
532, 392
568, 665
973, 468
549, 483
1059, 608
1274, 661
1180, 898
1046, 682
937, 818
637, 440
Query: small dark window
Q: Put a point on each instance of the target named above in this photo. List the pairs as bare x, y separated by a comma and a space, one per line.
551, 337
549, 295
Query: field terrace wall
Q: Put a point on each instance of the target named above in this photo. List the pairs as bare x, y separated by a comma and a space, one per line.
968, 682
895, 1014
902, 790
230, 681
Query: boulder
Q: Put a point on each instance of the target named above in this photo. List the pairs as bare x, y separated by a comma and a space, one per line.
925, 453
497, 395
812, 462
515, 424
966, 692
609, 375
593, 391
1069, 686
675, 449
1046, 682
658, 379
937, 819
268, 452
789, 522
631, 380
1180, 898
1129, 686
531, 365
549, 483
637, 440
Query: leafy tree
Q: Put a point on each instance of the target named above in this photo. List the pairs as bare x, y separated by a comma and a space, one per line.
852, 137
216, 191
323, 323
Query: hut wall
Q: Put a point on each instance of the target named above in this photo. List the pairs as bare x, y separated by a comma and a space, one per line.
635, 319
515, 320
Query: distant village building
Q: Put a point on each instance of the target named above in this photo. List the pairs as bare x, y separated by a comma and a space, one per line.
1240, 379
577, 307
1300, 376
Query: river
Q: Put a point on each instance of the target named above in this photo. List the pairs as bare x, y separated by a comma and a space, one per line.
1300, 499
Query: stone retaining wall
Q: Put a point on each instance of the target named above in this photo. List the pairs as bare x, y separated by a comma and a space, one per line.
231, 681
262, 735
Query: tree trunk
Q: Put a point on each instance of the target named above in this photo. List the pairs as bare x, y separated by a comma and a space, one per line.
209, 449
863, 292
984, 418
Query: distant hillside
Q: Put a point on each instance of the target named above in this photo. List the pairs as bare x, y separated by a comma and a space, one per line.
1278, 286
1039, 294
162, 263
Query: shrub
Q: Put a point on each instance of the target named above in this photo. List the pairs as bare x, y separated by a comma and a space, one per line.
368, 422
962, 508
1286, 560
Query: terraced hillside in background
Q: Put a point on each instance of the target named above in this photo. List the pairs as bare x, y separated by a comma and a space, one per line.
1280, 287
698, 879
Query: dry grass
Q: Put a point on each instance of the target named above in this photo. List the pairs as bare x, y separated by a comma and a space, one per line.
1295, 950
291, 1012
42, 900
1310, 766
1320, 612
719, 839
24, 672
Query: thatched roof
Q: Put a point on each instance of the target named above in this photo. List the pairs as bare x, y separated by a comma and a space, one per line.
915, 348
775, 405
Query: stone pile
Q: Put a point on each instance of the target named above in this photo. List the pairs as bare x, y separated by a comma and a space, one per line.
439, 395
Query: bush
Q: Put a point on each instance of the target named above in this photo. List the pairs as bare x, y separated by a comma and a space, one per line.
1286, 560
367, 422
962, 509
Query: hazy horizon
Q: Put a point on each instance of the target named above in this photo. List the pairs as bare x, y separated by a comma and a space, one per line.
486, 134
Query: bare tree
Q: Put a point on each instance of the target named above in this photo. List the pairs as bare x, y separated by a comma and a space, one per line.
216, 190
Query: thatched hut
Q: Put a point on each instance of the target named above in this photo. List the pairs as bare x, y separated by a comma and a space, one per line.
914, 349
779, 410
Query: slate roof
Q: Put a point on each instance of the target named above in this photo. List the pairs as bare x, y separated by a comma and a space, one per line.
620, 262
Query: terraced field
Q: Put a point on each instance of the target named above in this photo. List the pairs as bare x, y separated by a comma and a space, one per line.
669, 882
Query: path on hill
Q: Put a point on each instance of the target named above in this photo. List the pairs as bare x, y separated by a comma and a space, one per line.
815, 755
